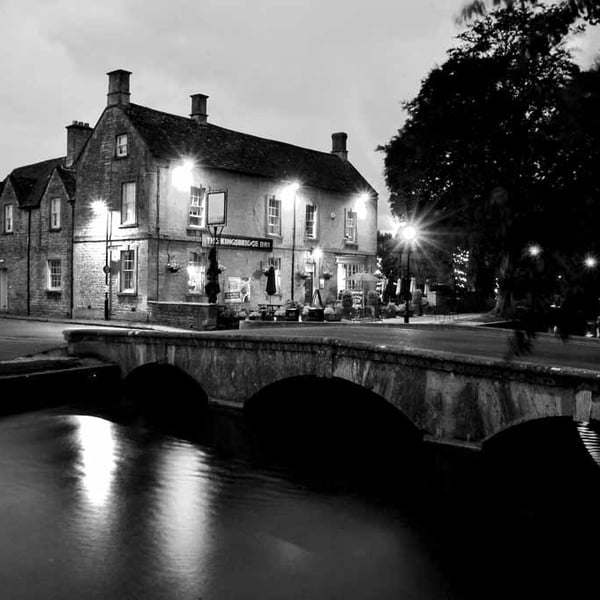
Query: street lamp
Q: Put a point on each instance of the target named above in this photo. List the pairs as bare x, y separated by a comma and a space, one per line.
409, 234
290, 191
101, 209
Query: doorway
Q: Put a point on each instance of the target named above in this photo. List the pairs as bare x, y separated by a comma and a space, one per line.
3, 290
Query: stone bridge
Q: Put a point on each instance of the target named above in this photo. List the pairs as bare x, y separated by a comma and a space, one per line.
450, 399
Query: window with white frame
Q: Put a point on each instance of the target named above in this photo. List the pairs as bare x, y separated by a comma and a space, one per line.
54, 274
128, 279
345, 271
310, 223
196, 273
197, 207
8, 218
350, 225
121, 145
54, 213
128, 208
274, 216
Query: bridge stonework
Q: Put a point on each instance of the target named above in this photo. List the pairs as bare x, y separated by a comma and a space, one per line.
451, 399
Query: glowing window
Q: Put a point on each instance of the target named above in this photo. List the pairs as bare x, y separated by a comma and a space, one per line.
196, 274
197, 212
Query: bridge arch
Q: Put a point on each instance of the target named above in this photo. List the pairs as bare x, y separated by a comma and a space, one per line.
333, 423
162, 396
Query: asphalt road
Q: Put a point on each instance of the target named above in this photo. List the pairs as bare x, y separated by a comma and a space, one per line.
21, 338
468, 340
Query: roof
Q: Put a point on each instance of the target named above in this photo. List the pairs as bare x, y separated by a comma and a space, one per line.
30, 181
171, 137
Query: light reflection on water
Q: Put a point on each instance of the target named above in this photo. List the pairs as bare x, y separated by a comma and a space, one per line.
93, 509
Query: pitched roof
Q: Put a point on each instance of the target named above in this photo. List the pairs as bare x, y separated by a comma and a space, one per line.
30, 181
171, 137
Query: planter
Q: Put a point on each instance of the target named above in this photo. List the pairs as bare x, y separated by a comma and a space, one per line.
314, 314
332, 317
292, 314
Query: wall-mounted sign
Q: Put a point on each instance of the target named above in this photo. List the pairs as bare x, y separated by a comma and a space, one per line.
242, 242
216, 208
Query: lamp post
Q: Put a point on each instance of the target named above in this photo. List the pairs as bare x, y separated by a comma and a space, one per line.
409, 233
101, 209
291, 190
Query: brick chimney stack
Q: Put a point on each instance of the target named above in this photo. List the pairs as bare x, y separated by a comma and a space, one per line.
118, 87
78, 134
338, 145
199, 108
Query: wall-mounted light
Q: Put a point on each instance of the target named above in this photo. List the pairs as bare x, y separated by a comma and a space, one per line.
182, 176
361, 205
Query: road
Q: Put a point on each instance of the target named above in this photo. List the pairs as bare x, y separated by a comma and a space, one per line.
22, 337
474, 341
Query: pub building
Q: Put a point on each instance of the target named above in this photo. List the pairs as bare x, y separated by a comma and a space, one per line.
122, 227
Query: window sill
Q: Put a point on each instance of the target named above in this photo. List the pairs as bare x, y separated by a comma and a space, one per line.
8, 233
128, 225
275, 236
350, 243
55, 229
121, 157
127, 294
54, 293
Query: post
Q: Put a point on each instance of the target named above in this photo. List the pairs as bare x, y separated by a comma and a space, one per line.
407, 289
293, 244
107, 267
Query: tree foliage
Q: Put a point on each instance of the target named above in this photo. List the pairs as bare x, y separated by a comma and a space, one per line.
497, 149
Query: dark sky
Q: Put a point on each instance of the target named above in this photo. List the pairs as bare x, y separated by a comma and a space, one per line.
290, 70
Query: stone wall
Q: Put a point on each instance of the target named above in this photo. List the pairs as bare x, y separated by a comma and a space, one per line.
187, 315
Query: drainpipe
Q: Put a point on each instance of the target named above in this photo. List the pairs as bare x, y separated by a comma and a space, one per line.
28, 261
157, 232
72, 259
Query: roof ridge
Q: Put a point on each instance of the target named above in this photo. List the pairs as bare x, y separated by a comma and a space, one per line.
227, 129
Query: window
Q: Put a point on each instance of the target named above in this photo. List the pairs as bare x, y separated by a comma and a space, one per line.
196, 274
310, 223
122, 145
197, 207
128, 271
55, 213
274, 216
349, 225
345, 271
128, 209
54, 274
8, 218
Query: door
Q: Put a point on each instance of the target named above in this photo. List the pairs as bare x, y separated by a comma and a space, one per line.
3, 290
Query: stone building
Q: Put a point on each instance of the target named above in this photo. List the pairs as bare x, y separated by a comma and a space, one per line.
143, 196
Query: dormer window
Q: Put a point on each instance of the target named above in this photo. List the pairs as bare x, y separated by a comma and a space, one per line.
122, 149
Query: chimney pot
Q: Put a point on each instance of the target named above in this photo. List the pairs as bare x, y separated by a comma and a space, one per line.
199, 108
338, 145
118, 87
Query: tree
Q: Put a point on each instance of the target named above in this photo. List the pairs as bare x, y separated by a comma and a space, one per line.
570, 10
483, 149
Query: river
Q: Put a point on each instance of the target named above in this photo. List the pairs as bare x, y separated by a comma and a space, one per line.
96, 508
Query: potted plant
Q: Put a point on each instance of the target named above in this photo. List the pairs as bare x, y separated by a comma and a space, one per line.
292, 310
280, 314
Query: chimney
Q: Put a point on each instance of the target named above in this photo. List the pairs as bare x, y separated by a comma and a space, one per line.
199, 108
118, 87
338, 145
78, 134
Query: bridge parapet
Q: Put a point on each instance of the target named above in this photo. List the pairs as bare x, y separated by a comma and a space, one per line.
451, 398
